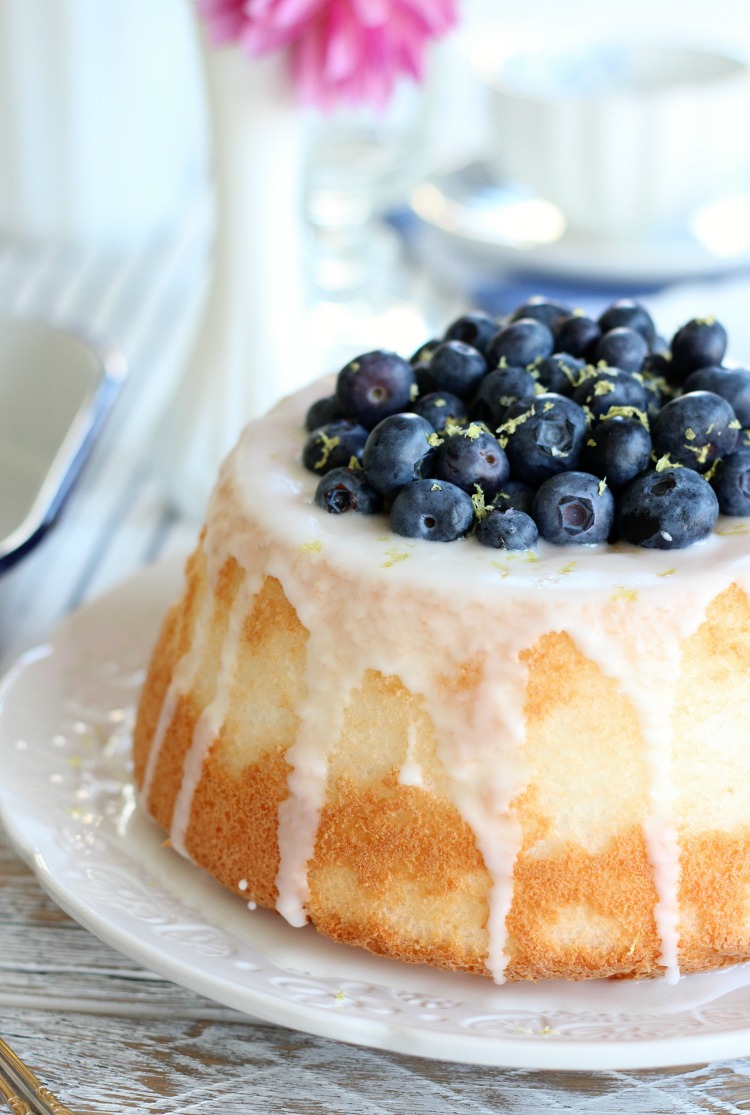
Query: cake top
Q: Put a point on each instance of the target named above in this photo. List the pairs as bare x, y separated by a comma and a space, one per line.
267, 498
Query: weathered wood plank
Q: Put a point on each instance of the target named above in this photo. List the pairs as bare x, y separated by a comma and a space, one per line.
185, 1066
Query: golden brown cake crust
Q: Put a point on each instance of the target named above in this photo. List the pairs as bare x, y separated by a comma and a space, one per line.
396, 868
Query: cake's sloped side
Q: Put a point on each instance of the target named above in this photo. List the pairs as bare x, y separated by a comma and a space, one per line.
712, 782
161, 767
584, 893
185, 668
396, 868
233, 829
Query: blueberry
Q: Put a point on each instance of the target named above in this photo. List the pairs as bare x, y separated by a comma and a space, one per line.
576, 334
574, 508
659, 346
469, 458
333, 446
374, 385
542, 436
559, 372
658, 392
695, 429
322, 412
432, 509
424, 353
733, 384
617, 449
475, 329
441, 407
346, 489
605, 388
540, 309
658, 365
731, 482
621, 348
630, 314
498, 389
508, 530
515, 494
454, 367
667, 510
396, 452
520, 343
701, 342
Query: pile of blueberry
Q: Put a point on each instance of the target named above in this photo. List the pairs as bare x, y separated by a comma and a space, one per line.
546, 423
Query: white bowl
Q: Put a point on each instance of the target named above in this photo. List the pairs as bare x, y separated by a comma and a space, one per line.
624, 138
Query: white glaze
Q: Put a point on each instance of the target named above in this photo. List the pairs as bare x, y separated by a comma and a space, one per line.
411, 773
181, 683
627, 609
213, 716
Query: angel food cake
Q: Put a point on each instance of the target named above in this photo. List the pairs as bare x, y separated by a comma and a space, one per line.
522, 749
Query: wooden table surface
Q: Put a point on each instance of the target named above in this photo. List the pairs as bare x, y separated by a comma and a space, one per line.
104, 1034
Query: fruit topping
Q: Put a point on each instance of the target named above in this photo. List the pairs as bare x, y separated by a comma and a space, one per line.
476, 330
375, 385
539, 308
618, 449
574, 508
733, 384
322, 412
543, 436
441, 408
500, 388
520, 343
397, 452
346, 489
731, 482
667, 510
576, 334
545, 424
507, 530
702, 341
604, 388
423, 355
630, 314
559, 373
432, 509
455, 367
622, 348
516, 494
695, 429
469, 457
334, 445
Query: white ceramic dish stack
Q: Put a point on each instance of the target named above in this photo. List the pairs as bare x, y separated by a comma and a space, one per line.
626, 138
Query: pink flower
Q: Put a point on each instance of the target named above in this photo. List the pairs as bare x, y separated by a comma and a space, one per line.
340, 50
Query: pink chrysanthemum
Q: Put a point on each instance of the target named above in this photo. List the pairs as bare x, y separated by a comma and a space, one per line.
340, 50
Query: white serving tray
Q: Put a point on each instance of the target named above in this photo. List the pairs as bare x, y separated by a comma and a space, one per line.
56, 388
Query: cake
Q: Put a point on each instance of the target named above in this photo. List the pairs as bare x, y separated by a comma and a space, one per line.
522, 764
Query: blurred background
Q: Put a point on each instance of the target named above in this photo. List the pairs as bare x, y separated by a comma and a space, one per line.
173, 206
